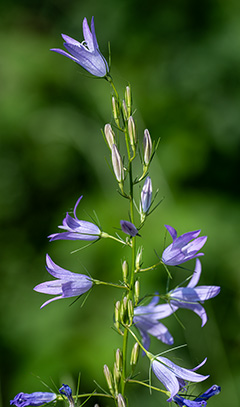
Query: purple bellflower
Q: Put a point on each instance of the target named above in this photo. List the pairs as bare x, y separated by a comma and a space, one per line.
183, 248
146, 196
213, 391
76, 229
86, 53
189, 297
67, 391
33, 399
128, 228
173, 376
146, 321
67, 285
182, 402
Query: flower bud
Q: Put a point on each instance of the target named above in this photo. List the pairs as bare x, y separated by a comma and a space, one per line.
132, 132
108, 377
117, 164
119, 360
146, 198
128, 98
109, 135
139, 258
136, 292
115, 109
117, 314
134, 355
125, 271
130, 311
147, 147
121, 401
124, 110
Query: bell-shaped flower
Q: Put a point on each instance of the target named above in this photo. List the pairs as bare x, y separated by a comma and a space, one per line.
191, 296
86, 53
76, 229
32, 399
67, 285
146, 319
146, 196
183, 248
128, 228
173, 376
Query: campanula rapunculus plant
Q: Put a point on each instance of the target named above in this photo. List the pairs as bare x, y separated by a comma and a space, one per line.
32, 399
172, 376
183, 248
67, 285
76, 229
86, 53
191, 296
146, 319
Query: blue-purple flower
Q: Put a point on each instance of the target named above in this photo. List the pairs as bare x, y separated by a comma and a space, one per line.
76, 229
191, 296
86, 53
146, 319
173, 376
33, 399
67, 391
199, 401
67, 285
183, 248
128, 228
146, 196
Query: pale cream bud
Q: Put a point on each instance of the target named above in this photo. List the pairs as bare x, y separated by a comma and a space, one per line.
147, 147
109, 135
124, 110
136, 292
125, 271
121, 401
132, 132
108, 377
134, 355
128, 98
117, 164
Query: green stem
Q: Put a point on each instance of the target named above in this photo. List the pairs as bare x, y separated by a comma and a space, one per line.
98, 282
148, 385
124, 364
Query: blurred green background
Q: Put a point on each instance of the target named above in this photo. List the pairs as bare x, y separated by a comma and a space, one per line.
182, 59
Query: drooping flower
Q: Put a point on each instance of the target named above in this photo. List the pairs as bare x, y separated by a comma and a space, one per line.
173, 376
146, 196
183, 248
67, 285
182, 402
146, 319
76, 229
86, 53
128, 228
67, 391
191, 296
32, 399
213, 391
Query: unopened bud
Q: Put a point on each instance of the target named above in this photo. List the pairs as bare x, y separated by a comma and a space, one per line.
125, 271
124, 110
128, 98
139, 258
147, 147
130, 311
119, 360
115, 108
146, 197
132, 132
136, 292
109, 379
117, 164
116, 377
121, 401
109, 134
134, 355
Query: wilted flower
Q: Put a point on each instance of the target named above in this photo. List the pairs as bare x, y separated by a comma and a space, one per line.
146, 319
128, 228
182, 402
173, 376
67, 285
190, 296
183, 248
213, 391
86, 53
33, 399
146, 196
67, 391
76, 229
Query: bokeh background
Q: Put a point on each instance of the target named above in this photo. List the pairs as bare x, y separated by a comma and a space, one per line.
182, 59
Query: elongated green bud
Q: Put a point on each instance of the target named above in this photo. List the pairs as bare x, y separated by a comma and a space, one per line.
136, 292
108, 377
121, 401
139, 258
128, 98
117, 164
130, 311
132, 132
147, 147
109, 135
125, 269
115, 109
134, 355
124, 110
119, 360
